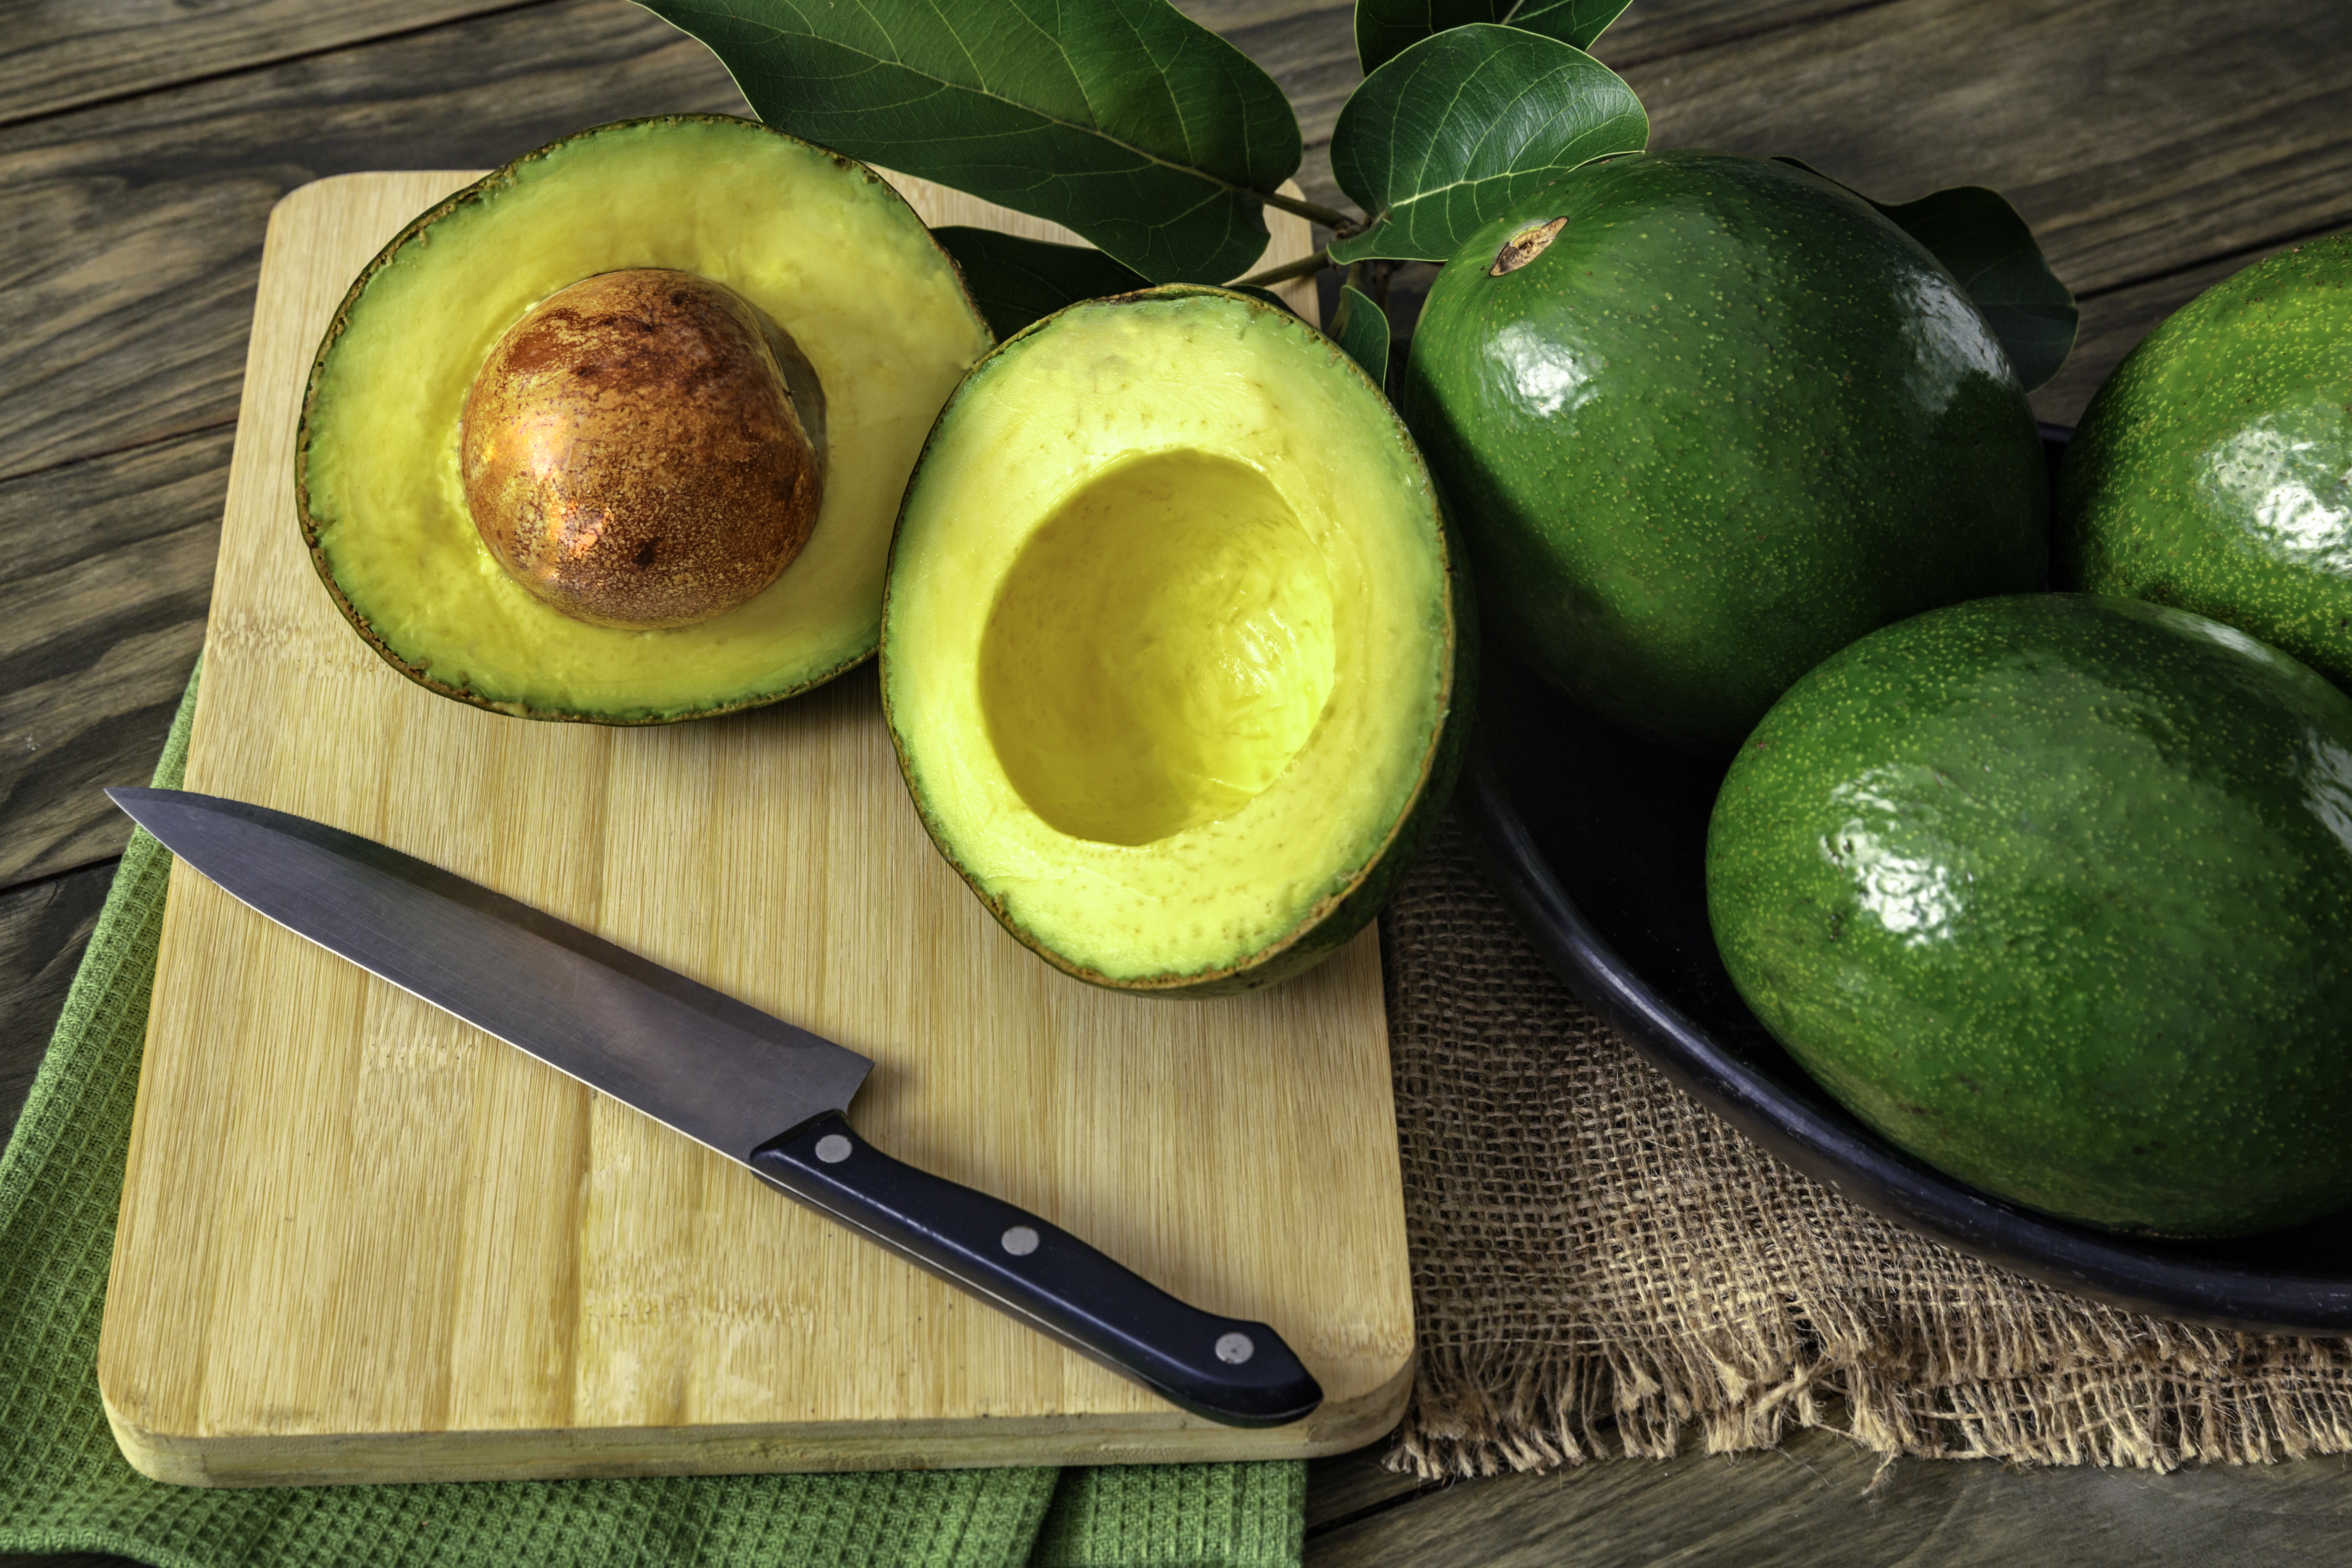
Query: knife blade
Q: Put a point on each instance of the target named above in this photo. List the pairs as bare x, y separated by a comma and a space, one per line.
765, 1093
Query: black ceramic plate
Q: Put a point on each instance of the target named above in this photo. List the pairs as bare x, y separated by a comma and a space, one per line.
1597, 840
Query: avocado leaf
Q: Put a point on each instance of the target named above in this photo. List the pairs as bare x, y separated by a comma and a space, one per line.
1361, 328
1441, 139
1015, 281
1991, 251
1386, 28
1122, 120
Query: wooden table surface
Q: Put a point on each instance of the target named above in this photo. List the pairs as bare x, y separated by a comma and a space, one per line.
2155, 146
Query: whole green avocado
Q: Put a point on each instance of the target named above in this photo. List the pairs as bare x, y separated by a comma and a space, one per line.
1706, 420
2213, 470
2055, 892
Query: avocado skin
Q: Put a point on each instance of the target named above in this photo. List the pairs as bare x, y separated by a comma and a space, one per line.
1731, 419
2213, 470
2055, 892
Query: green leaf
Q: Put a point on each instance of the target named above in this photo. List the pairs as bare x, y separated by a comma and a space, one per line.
1361, 328
1441, 139
1386, 28
1984, 244
1016, 282
1991, 251
1121, 119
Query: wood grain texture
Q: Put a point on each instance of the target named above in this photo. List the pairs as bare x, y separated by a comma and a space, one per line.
105, 573
65, 52
436, 1259
1819, 1498
1342, 1486
43, 929
2132, 137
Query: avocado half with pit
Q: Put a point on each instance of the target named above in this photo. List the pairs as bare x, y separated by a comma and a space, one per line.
618, 433
1175, 644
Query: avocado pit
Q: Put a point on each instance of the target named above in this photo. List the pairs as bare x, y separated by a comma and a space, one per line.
643, 449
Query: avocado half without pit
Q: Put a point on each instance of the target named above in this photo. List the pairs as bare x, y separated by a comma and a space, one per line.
1175, 645
619, 432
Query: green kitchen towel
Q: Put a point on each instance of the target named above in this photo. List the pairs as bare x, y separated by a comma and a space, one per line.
64, 1487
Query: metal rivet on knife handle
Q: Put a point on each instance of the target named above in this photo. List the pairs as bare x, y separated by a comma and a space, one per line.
832, 1149
1020, 1241
1235, 1348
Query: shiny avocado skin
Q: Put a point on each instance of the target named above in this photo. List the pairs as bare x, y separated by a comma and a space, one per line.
2055, 892
2213, 470
1729, 420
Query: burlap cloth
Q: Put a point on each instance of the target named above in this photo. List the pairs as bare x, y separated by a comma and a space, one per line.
1601, 1266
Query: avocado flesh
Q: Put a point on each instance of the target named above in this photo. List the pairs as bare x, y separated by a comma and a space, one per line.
2055, 892
1169, 647
817, 242
2213, 470
1727, 420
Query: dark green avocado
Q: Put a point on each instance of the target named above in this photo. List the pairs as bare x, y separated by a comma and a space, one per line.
1720, 421
2213, 470
2055, 892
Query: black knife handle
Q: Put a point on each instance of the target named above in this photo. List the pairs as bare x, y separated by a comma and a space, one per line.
1237, 1372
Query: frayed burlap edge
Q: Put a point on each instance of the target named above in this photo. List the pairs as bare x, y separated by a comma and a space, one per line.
1475, 1414
1603, 1268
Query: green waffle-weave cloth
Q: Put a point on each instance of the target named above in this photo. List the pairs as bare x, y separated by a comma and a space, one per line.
65, 1488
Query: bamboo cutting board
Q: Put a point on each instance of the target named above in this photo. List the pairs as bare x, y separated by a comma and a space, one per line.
360, 1241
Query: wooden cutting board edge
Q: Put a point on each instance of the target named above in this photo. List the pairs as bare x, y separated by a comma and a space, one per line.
231, 1459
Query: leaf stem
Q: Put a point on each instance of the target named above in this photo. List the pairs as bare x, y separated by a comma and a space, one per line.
1305, 266
1313, 212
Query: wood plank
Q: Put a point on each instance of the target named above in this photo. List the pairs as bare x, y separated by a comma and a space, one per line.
1812, 1501
135, 227
1344, 1485
2131, 151
43, 930
1653, 29
63, 53
107, 576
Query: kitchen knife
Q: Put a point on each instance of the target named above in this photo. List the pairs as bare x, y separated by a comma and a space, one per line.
758, 1090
